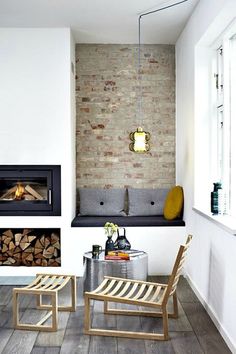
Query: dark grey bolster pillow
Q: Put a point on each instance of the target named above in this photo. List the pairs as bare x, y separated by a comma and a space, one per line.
102, 202
146, 202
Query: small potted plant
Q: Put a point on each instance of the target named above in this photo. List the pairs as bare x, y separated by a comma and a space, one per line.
110, 229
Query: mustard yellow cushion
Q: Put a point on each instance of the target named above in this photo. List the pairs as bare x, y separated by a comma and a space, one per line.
174, 203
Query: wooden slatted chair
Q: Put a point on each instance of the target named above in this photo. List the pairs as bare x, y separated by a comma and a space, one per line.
45, 284
139, 293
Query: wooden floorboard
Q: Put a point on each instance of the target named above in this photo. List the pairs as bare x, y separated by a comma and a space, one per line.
43, 350
5, 335
54, 339
101, 320
154, 347
185, 343
5, 317
185, 293
126, 346
74, 340
102, 345
193, 332
5, 292
205, 330
20, 342
130, 323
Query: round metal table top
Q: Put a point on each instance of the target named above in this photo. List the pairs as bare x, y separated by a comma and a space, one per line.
96, 268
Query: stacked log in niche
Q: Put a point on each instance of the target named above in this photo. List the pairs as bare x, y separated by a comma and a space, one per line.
30, 247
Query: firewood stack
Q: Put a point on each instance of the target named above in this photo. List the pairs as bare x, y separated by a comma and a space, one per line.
30, 248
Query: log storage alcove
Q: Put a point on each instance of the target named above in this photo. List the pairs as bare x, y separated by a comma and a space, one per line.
30, 247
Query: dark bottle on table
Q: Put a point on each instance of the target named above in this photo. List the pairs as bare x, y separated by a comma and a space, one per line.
109, 246
215, 198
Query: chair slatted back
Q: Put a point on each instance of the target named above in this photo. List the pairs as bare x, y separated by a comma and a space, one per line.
177, 269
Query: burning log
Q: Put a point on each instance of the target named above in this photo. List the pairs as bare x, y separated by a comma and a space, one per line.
33, 192
8, 193
21, 192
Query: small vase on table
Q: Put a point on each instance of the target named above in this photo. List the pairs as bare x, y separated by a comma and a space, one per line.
110, 229
109, 246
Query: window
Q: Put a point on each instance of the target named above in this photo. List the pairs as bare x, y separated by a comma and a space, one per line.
219, 85
233, 124
224, 116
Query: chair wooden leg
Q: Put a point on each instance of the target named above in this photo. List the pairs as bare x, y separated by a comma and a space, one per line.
106, 310
87, 320
73, 293
54, 311
15, 309
165, 323
38, 301
175, 306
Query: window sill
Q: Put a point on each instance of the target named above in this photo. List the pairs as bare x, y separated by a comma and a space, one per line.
226, 222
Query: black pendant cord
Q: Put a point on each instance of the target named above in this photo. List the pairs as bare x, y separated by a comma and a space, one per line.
149, 13
139, 46
161, 8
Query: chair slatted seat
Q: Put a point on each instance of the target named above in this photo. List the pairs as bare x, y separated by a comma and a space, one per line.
139, 293
45, 284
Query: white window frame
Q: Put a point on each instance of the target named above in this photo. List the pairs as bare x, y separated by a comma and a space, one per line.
224, 143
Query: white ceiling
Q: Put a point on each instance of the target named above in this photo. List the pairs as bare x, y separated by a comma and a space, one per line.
101, 21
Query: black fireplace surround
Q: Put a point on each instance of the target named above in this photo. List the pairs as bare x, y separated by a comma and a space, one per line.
30, 190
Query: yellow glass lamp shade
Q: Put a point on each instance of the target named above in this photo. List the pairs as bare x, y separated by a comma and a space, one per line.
139, 141
174, 203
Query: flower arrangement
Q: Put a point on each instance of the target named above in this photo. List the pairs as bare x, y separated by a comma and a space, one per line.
110, 228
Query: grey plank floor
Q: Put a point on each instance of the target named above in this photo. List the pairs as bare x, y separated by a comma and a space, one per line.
193, 332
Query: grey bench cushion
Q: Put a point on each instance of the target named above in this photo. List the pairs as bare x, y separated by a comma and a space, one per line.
95, 221
101, 202
146, 201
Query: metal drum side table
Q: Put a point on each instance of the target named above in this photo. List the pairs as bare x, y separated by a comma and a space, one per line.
95, 268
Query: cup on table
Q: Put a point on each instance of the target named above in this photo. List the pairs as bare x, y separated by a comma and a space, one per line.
96, 250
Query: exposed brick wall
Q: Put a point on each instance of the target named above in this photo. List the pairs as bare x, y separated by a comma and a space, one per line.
107, 90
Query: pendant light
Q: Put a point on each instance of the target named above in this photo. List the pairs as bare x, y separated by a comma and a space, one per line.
140, 138
139, 141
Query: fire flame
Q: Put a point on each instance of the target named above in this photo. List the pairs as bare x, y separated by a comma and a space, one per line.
19, 191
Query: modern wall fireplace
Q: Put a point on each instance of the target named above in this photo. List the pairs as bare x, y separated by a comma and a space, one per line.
30, 190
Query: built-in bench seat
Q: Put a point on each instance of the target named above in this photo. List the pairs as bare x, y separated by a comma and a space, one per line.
95, 221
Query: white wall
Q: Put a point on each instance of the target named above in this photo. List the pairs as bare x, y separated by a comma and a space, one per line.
34, 94
212, 262
38, 118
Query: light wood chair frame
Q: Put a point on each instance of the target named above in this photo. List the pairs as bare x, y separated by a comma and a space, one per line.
139, 293
50, 285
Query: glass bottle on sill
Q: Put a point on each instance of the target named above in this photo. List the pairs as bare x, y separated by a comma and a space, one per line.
222, 202
216, 199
